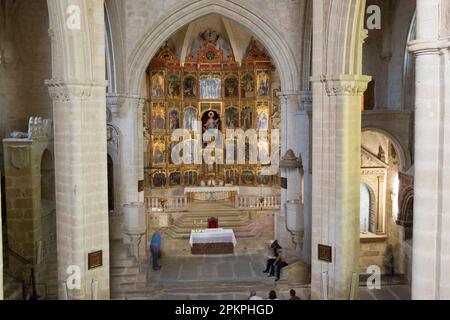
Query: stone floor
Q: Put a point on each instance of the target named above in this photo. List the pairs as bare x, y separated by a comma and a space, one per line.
387, 292
232, 277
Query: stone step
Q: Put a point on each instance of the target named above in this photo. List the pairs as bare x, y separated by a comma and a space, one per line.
124, 263
12, 289
120, 271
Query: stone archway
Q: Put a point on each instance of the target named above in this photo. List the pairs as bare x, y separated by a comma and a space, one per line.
259, 25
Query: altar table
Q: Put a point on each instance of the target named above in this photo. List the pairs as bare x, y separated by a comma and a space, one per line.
211, 193
213, 241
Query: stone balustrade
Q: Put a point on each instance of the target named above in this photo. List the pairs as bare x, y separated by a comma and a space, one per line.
169, 204
268, 202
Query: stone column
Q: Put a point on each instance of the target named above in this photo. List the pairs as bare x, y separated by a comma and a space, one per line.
431, 237
1, 247
127, 113
290, 103
381, 230
304, 128
336, 180
79, 110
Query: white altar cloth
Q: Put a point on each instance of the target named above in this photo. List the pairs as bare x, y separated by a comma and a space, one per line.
188, 190
213, 236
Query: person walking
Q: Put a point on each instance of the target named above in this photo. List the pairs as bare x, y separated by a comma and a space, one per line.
155, 247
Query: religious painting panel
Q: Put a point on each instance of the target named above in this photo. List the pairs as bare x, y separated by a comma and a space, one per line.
190, 118
232, 118
175, 178
247, 177
174, 86
231, 88
174, 119
158, 120
190, 87
158, 84
263, 83
232, 177
159, 179
247, 86
159, 150
247, 118
263, 180
210, 87
262, 115
190, 178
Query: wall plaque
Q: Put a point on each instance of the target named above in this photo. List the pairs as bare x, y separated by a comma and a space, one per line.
95, 260
325, 253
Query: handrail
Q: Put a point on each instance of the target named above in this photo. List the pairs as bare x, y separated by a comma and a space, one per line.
33, 285
19, 257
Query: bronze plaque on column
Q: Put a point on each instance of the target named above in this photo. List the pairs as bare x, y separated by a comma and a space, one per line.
95, 260
325, 253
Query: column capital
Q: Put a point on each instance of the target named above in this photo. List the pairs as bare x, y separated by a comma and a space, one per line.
116, 102
289, 98
70, 90
345, 84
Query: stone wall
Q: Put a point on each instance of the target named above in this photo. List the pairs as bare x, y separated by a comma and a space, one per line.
22, 89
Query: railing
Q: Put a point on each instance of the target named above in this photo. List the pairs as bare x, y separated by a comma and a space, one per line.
169, 204
26, 277
258, 202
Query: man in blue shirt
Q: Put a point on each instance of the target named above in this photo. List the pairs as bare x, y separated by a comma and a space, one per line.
155, 247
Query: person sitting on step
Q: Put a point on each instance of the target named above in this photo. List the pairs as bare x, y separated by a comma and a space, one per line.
272, 256
279, 264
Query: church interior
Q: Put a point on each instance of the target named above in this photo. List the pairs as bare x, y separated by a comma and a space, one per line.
211, 128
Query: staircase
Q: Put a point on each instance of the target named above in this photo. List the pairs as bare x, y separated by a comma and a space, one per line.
12, 287
239, 221
128, 275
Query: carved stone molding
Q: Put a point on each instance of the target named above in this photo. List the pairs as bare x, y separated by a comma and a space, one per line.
306, 99
290, 98
436, 47
19, 156
116, 102
346, 85
71, 90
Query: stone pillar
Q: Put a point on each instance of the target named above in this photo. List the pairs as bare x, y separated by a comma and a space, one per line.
127, 113
381, 216
336, 180
1, 247
79, 110
304, 129
431, 237
290, 103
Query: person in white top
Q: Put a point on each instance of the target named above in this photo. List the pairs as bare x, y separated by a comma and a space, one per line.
254, 297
